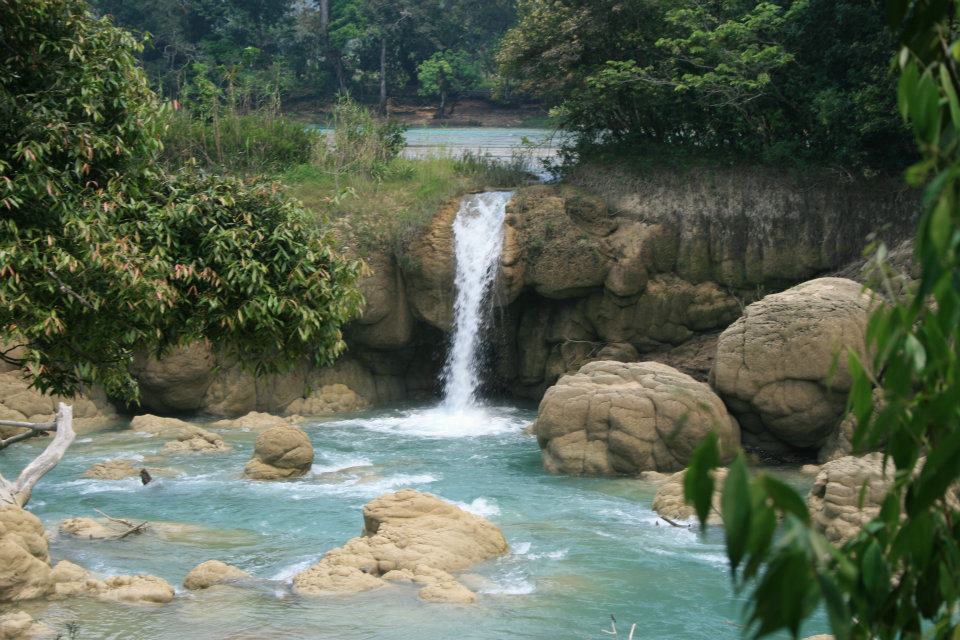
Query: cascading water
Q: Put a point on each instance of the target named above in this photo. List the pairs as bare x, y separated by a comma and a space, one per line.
477, 241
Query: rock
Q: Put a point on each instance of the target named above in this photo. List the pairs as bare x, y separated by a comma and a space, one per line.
188, 438
624, 418
73, 580
19, 401
330, 399
782, 368
810, 469
280, 452
428, 270
407, 536
386, 321
112, 470
24, 556
669, 503
834, 498
206, 442
254, 421
177, 382
19, 625
206, 574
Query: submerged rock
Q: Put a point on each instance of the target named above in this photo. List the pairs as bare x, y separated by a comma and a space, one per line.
625, 418
407, 536
212, 572
19, 625
282, 451
669, 503
782, 367
73, 580
186, 437
24, 556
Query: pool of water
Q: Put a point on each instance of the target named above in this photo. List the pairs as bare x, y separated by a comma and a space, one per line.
581, 549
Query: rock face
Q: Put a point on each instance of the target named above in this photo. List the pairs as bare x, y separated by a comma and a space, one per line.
669, 503
625, 418
834, 499
19, 402
280, 452
24, 556
212, 572
782, 368
176, 383
407, 536
19, 625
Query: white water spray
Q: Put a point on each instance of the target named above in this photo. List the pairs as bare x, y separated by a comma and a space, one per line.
477, 242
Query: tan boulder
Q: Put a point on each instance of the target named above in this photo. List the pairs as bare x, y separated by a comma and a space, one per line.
20, 402
625, 418
386, 321
669, 503
112, 470
428, 270
74, 580
327, 400
205, 442
255, 421
19, 625
834, 499
212, 572
24, 556
407, 536
187, 438
178, 381
280, 452
782, 367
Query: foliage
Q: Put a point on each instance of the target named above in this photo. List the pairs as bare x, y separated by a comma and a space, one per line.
794, 81
898, 577
359, 143
101, 252
447, 73
313, 54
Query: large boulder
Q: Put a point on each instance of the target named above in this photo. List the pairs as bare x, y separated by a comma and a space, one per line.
669, 501
625, 418
24, 556
178, 381
408, 536
213, 572
327, 400
20, 625
782, 367
280, 452
254, 421
185, 437
73, 580
834, 500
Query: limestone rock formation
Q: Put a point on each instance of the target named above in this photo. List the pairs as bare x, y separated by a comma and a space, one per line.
669, 503
20, 402
782, 367
73, 580
329, 399
834, 499
19, 625
407, 536
186, 437
283, 451
212, 572
24, 556
178, 382
254, 421
625, 418
112, 470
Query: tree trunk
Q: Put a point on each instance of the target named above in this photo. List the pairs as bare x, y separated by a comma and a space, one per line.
324, 18
18, 492
383, 75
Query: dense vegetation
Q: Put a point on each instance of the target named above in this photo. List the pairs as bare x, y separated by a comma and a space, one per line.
372, 49
898, 577
103, 251
805, 80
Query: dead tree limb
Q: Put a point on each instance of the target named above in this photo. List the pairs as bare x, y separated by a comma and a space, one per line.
131, 527
33, 430
18, 492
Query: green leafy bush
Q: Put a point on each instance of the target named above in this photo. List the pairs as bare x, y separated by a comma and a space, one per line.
102, 252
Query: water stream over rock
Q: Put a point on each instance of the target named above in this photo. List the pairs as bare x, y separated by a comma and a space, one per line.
478, 240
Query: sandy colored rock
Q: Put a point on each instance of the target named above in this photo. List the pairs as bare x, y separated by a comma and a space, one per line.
24, 556
91, 529
19, 625
782, 367
112, 470
186, 437
254, 421
282, 451
407, 536
18, 401
834, 499
669, 503
327, 400
178, 382
625, 418
810, 469
206, 442
206, 574
73, 580
428, 270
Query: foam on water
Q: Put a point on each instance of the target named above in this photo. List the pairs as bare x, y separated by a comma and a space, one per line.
442, 422
480, 507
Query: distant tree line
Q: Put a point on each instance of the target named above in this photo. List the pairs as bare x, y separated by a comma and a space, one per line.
783, 80
371, 49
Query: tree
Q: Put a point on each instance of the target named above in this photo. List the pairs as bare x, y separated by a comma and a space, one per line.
102, 252
446, 74
898, 577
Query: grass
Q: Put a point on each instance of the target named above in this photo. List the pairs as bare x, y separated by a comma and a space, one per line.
386, 210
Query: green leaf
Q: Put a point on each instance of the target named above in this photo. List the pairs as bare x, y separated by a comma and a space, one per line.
786, 498
735, 508
874, 571
698, 482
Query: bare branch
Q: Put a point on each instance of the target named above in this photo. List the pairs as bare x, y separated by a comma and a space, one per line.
18, 492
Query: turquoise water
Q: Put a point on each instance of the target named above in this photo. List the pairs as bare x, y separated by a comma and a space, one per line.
581, 549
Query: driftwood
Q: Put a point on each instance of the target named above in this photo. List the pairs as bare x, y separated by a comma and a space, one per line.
673, 523
33, 430
18, 492
131, 527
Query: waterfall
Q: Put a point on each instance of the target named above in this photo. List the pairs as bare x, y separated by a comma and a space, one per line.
477, 241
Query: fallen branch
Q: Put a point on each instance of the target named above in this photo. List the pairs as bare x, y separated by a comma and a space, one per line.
18, 492
673, 523
132, 528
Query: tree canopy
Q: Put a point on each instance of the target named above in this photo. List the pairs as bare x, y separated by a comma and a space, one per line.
102, 252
